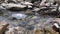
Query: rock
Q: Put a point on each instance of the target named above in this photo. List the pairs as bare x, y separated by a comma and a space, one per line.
32, 1
55, 24
2, 10
3, 26
19, 16
55, 9
28, 0
56, 20
47, 4
3, 29
10, 1
30, 27
1, 7
36, 9
23, 24
43, 3
59, 8
49, 11
13, 1
16, 30
20, 1
56, 27
26, 3
54, 4
2, 1
1, 13
14, 7
30, 7
44, 8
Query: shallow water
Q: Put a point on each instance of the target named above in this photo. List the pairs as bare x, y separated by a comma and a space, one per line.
13, 23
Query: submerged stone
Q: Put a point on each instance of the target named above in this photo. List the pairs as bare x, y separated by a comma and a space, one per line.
31, 27
19, 16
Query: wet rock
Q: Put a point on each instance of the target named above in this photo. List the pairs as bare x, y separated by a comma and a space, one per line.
1, 13
26, 3
34, 20
44, 10
55, 24
56, 20
56, 27
3, 29
33, 1
49, 11
13, 1
19, 16
20, 1
14, 7
59, 9
30, 7
2, 1
3, 26
1, 7
2, 10
28, 0
43, 3
23, 24
54, 4
31, 27
15, 30
47, 4
54, 9
36, 9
